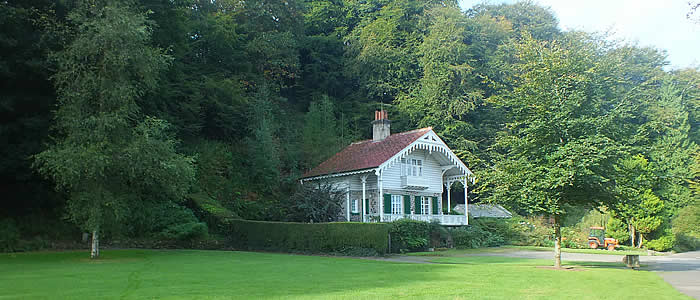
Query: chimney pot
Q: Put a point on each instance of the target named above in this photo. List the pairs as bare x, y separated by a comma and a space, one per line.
381, 126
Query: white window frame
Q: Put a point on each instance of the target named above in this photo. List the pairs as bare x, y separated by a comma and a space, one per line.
396, 204
355, 205
412, 167
425, 205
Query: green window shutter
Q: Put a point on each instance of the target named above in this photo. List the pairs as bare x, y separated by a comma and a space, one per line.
435, 206
407, 204
367, 207
387, 203
417, 205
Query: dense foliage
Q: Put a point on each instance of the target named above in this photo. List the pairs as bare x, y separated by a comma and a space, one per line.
114, 110
364, 239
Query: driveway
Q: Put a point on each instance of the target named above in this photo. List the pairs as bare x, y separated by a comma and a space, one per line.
681, 270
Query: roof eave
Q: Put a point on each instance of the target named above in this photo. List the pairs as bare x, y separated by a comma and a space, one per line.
331, 175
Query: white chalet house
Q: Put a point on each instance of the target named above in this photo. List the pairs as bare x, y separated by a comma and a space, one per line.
395, 176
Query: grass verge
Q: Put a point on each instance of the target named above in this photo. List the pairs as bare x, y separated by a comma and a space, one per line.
187, 274
503, 249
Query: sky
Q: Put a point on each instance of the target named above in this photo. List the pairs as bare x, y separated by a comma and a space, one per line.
654, 23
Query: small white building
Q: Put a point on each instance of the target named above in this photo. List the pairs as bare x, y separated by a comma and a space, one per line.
401, 175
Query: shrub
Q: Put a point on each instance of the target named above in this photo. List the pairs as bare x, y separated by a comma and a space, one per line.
530, 232
192, 231
320, 202
345, 237
685, 242
504, 228
209, 210
663, 243
409, 235
440, 237
573, 237
478, 235
9, 236
618, 230
686, 228
474, 236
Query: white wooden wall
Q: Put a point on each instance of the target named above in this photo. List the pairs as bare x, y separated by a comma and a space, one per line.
432, 173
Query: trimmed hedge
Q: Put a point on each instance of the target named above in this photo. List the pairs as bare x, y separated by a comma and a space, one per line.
341, 237
409, 235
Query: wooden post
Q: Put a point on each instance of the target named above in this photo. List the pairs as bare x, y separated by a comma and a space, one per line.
347, 202
364, 196
449, 206
381, 197
466, 201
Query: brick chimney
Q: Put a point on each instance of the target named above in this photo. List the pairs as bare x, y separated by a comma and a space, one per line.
381, 126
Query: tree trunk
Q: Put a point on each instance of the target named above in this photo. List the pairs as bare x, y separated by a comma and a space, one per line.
633, 234
641, 240
95, 248
557, 242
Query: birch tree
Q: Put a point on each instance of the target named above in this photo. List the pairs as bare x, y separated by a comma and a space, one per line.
106, 154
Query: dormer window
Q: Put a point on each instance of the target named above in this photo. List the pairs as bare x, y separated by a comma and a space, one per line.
411, 167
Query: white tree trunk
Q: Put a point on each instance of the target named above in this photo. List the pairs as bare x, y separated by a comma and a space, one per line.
633, 234
95, 248
557, 242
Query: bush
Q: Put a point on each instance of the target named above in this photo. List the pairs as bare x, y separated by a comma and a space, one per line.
685, 242
686, 228
192, 231
345, 237
409, 235
530, 232
321, 202
481, 233
663, 243
618, 230
573, 237
9, 236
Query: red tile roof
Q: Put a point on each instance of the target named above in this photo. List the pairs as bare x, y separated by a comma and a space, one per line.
366, 154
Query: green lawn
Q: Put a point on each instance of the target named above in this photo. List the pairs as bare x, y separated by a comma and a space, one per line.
182, 274
502, 249
619, 251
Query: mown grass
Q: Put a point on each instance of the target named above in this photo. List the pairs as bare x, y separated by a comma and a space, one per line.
183, 274
503, 249
619, 251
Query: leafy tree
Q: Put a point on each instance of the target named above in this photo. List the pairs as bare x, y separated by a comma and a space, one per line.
263, 143
106, 155
670, 149
528, 18
381, 48
636, 205
444, 94
322, 135
554, 151
315, 202
618, 230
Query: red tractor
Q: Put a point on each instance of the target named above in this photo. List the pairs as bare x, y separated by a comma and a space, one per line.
597, 239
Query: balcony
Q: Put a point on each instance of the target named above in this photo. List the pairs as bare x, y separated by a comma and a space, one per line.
447, 220
413, 183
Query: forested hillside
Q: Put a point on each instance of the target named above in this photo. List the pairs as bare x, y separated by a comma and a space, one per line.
129, 117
